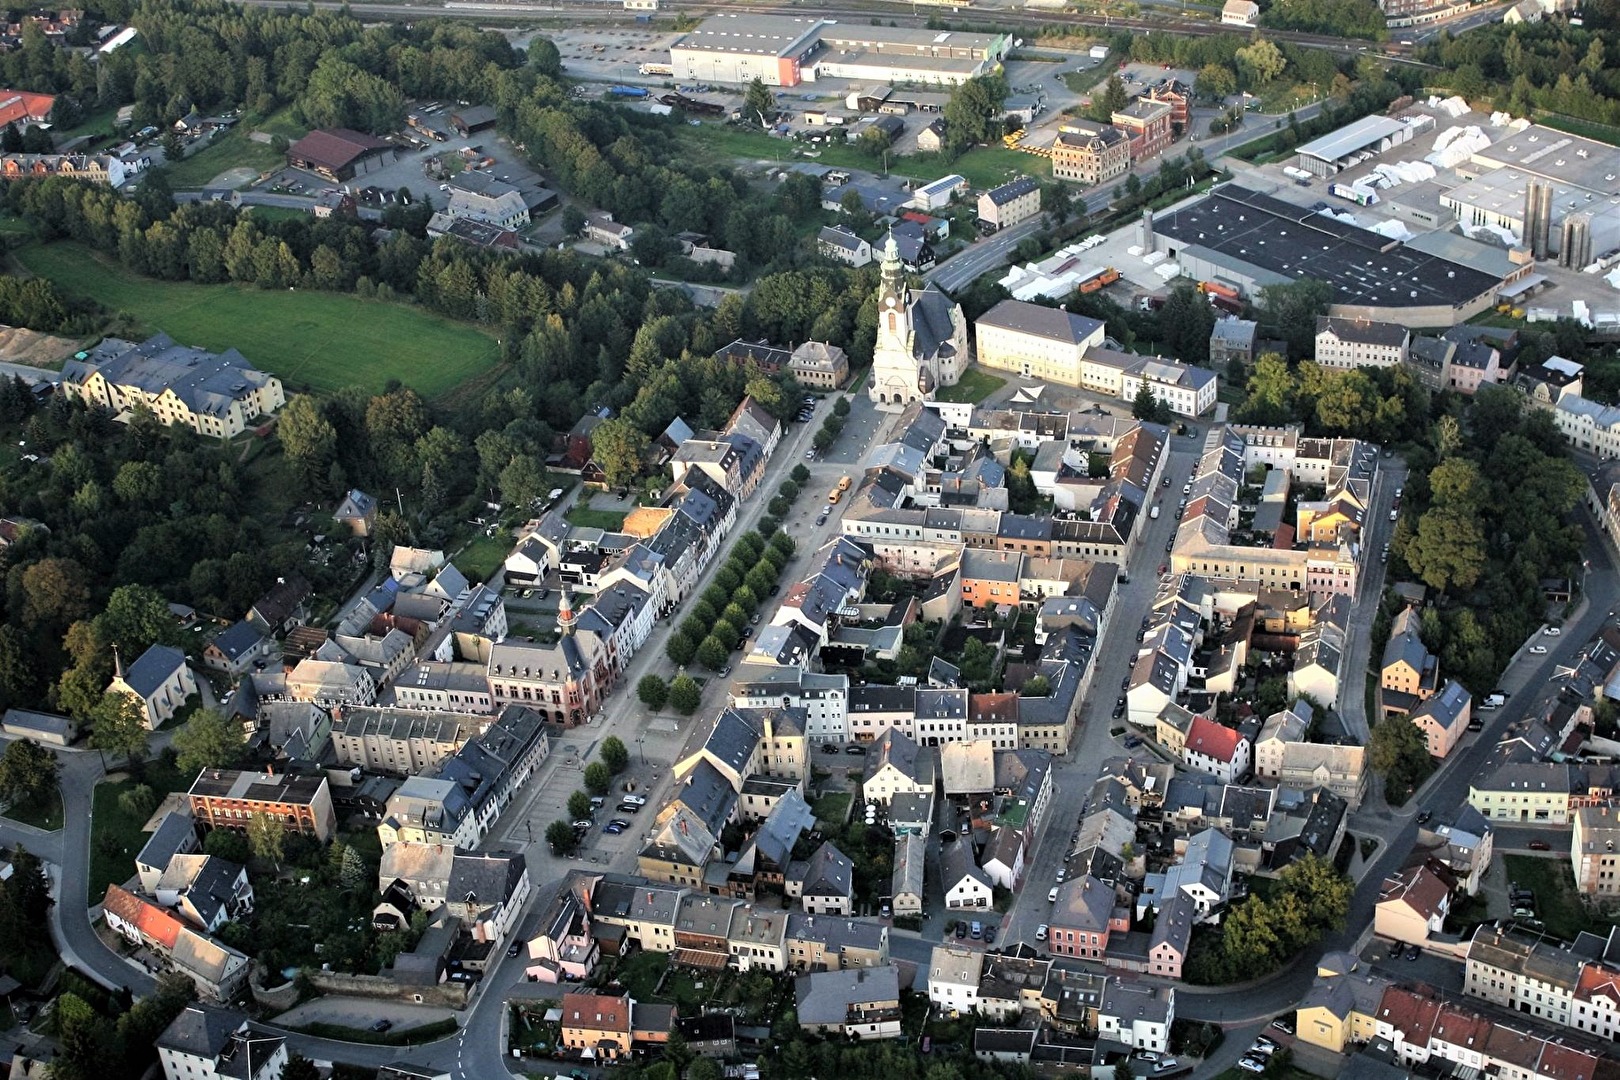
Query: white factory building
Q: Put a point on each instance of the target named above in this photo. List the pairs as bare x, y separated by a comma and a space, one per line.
780, 50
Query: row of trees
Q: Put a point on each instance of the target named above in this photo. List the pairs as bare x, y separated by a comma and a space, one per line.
612, 759
715, 625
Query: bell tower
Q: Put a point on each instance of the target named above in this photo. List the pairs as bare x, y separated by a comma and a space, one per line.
895, 371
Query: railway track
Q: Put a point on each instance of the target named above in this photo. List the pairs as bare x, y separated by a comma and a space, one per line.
610, 11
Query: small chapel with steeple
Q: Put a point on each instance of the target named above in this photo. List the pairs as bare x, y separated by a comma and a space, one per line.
922, 339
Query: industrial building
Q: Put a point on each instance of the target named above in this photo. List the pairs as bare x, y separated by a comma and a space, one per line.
784, 51
1558, 194
1353, 144
1246, 239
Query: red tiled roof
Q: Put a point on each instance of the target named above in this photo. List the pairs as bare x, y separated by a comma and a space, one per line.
1421, 888
596, 1012
1409, 1013
152, 921
993, 708
1597, 981
1212, 740
21, 105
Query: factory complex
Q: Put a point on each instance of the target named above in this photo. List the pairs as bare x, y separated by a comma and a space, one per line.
780, 50
1423, 218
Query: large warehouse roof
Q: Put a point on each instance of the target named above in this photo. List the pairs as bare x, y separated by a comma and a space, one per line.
756, 35
1568, 159
1352, 138
1287, 242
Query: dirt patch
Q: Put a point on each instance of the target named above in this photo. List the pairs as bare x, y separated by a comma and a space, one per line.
234, 178
34, 348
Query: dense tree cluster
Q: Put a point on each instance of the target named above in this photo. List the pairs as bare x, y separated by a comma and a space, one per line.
1488, 566
1308, 899
1548, 66
1346, 18
1377, 404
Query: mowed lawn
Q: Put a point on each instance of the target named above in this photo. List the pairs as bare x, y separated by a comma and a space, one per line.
313, 340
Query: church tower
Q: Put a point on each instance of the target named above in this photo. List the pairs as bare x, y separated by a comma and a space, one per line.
898, 377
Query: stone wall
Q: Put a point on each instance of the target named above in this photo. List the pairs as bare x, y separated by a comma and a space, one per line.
448, 995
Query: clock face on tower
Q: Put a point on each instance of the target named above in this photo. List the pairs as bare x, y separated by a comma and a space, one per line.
890, 301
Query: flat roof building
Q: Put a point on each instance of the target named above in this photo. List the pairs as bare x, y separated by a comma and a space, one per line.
1248, 239
784, 51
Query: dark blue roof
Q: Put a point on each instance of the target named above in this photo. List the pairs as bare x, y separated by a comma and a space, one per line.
238, 639
155, 666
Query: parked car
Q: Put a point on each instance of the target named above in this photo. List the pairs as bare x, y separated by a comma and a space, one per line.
1413, 952
614, 829
1551, 631
961, 930
620, 822
1248, 1064
1147, 1055
382, 1025
1538, 650
1051, 895
1041, 931
1284, 1025
855, 748
627, 808
829, 748
990, 934
582, 825
1539, 845
1166, 1065
976, 930
1265, 1045
514, 948
1423, 818
1119, 711
635, 800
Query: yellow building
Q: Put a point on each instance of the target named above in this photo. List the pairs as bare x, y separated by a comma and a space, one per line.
217, 394
1341, 1007
1036, 342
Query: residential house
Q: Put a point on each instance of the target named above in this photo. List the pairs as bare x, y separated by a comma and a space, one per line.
237, 649
175, 835
1443, 718
209, 1043
908, 880
1341, 1007
1137, 1015
896, 765
824, 883
218, 972
1351, 343
358, 511
402, 742
1413, 903
953, 978
563, 948
1007, 204
820, 366
214, 394
204, 890
1409, 673
966, 887
840, 243
828, 943
1090, 154
1217, 750
602, 229
1233, 339
1082, 918
283, 606
1593, 838
1244, 13
160, 682
598, 1024
863, 1003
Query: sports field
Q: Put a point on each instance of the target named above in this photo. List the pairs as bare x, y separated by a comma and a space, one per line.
313, 340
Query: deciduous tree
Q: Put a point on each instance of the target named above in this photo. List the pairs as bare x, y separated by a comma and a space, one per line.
685, 695
653, 692
28, 773
208, 741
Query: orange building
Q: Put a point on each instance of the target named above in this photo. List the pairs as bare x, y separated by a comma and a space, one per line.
228, 799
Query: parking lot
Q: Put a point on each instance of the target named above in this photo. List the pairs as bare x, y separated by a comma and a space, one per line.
407, 168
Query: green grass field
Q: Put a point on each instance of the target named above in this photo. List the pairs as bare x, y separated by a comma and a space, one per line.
315, 340
983, 167
116, 837
483, 556
46, 814
233, 150
976, 385
587, 518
